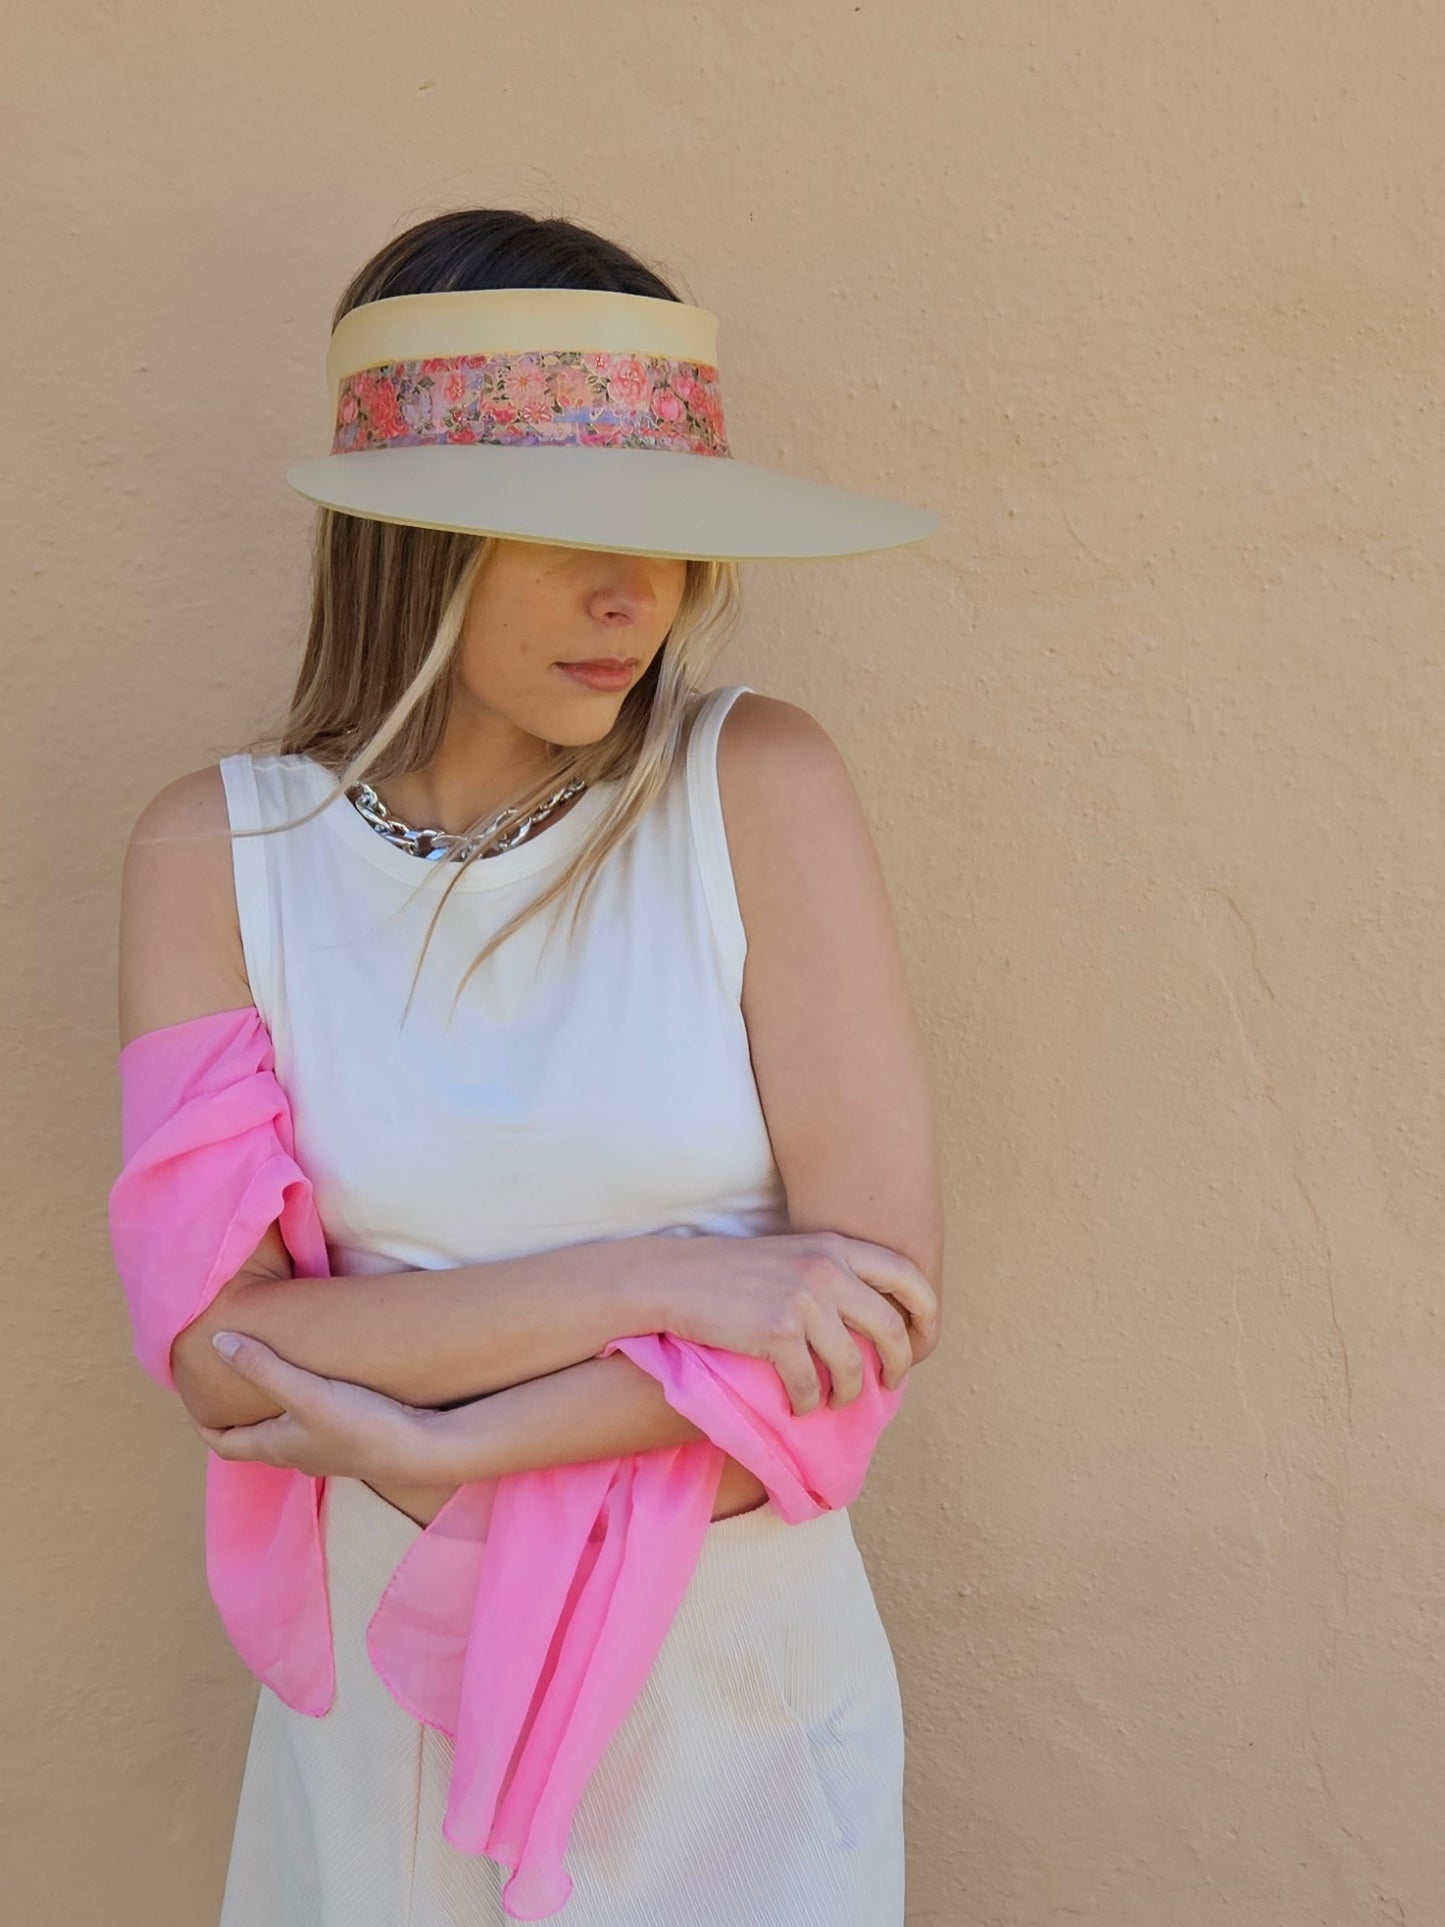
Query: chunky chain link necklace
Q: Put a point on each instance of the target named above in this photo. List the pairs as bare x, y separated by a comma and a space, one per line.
434, 844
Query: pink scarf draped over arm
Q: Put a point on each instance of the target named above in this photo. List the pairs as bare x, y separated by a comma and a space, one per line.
523, 1621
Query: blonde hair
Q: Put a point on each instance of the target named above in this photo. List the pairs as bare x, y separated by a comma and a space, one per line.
388, 606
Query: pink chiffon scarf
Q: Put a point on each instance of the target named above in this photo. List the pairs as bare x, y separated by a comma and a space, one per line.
523, 1620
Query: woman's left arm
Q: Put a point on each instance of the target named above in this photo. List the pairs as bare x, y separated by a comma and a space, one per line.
836, 1051
837, 1056
840, 1070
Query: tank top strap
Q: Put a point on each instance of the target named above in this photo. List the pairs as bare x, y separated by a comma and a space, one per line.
252, 876
709, 832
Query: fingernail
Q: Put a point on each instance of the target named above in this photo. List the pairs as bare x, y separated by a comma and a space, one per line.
227, 1343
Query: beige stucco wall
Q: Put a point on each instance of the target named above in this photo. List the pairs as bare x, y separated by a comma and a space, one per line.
1146, 300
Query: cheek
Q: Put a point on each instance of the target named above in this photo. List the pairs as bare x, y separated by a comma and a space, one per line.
488, 669
510, 648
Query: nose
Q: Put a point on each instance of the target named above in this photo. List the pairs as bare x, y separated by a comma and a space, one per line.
629, 590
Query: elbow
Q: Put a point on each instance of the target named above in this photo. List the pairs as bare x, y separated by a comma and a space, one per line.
197, 1371
919, 1239
211, 1392
925, 1249
928, 1256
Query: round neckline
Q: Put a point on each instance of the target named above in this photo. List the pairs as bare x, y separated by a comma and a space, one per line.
546, 846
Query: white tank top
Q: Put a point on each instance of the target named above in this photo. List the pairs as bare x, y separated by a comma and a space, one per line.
594, 1084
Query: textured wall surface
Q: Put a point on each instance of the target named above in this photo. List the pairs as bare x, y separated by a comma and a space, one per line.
1146, 300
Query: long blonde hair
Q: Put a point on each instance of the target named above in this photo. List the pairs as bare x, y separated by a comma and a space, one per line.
372, 697
388, 601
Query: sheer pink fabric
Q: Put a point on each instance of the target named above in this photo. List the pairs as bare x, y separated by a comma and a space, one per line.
523, 1620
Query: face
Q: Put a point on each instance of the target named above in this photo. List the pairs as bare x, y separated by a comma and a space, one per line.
537, 606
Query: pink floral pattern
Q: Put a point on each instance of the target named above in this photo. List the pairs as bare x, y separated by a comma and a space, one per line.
560, 395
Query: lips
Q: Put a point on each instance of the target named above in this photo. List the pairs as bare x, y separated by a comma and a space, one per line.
600, 672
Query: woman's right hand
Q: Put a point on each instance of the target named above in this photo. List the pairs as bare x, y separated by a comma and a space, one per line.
794, 1298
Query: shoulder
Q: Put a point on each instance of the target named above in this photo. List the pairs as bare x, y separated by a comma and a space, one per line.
798, 837
773, 754
195, 801
781, 774
179, 840
180, 941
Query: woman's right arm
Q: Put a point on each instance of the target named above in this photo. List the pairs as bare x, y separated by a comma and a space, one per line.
431, 1337
441, 1337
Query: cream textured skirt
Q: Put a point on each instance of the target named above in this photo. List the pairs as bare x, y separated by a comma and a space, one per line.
756, 1781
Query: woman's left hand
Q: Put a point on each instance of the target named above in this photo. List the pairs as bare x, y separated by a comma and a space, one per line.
329, 1427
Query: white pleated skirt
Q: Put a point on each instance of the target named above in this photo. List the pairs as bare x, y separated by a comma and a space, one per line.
756, 1781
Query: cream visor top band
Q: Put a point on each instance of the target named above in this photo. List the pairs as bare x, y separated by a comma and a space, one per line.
408, 327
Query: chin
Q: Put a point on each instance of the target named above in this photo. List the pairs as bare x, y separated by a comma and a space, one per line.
569, 733
573, 725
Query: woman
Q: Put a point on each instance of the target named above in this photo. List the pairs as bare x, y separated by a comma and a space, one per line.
698, 1108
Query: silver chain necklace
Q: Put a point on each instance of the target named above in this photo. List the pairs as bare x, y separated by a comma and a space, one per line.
434, 844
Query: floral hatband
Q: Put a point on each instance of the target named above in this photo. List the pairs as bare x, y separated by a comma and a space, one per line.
559, 395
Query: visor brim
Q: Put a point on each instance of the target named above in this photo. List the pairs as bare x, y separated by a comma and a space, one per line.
631, 501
